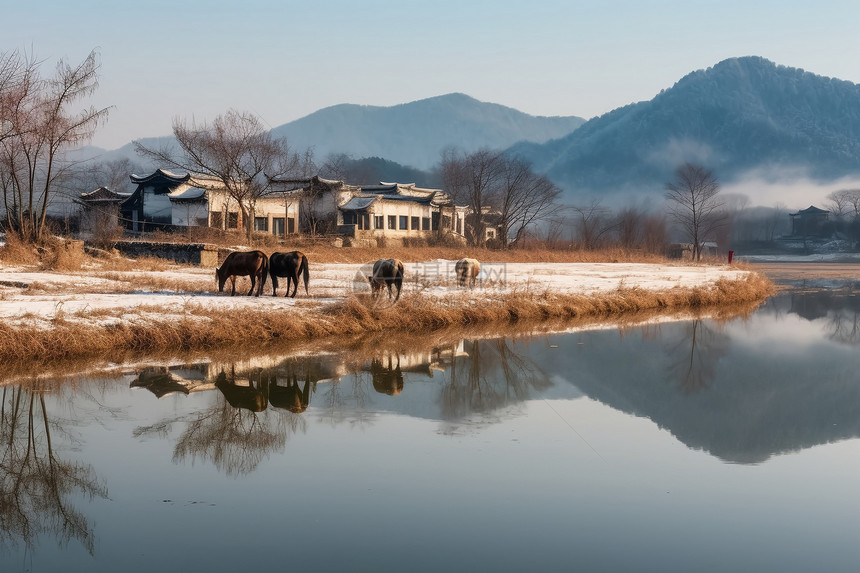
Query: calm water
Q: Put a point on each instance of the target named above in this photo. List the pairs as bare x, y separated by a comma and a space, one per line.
683, 446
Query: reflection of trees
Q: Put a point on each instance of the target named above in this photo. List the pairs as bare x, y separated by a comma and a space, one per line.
492, 376
34, 482
694, 357
845, 327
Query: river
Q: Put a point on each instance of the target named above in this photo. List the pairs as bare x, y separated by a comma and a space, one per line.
725, 444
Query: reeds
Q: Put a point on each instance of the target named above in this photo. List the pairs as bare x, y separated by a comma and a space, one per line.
199, 328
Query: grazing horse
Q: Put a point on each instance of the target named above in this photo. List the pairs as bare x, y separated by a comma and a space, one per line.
386, 272
245, 263
467, 271
290, 265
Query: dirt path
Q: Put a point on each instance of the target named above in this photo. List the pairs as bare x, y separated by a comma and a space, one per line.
778, 272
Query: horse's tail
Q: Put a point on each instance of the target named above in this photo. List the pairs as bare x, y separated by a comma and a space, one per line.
264, 271
305, 272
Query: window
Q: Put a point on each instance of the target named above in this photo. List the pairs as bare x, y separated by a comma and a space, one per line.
425, 223
261, 223
459, 226
404, 223
233, 220
435, 221
415, 226
216, 221
392, 221
278, 225
348, 218
378, 222
291, 225
363, 221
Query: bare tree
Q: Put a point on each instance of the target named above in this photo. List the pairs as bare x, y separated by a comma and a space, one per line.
694, 203
236, 150
496, 186
473, 178
37, 127
844, 201
593, 225
523, 199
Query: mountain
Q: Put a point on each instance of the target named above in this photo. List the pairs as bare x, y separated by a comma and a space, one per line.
740, 116
414, 134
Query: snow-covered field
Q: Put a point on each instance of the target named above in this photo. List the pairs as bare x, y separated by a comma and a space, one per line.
33, 297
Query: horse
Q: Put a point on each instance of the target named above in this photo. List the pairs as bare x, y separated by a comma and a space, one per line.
289, 265
386, 272
244, 263
467, 271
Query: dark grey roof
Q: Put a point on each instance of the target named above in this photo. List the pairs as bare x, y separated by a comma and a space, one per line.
358, 203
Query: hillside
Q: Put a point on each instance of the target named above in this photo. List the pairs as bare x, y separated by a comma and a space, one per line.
740, 115
414, 134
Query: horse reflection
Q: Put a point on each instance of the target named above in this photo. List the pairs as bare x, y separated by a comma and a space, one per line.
248, 397
290, 397
386, 379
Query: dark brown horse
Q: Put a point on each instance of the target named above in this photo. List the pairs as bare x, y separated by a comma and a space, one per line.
254, 264
290, 265
386, 272
467, 271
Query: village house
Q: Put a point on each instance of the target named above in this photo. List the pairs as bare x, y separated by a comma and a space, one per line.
313, 205
100, 210
164, 199
811, 222
391, 211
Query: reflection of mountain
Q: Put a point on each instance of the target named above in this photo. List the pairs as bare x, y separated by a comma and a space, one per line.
743, 391
818, 304
757, 396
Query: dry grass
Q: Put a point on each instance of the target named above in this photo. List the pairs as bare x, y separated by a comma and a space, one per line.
202, 328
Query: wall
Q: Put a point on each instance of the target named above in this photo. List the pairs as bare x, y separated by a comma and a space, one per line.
193, 253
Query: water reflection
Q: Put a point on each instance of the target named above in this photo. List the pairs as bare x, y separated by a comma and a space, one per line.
783, 379
36, 484
743, 389
694, 355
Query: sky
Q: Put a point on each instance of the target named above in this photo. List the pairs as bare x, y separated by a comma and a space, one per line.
282, 60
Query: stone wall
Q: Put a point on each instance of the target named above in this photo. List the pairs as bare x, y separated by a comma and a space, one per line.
187, 253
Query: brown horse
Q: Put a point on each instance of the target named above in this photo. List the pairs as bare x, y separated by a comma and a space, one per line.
467, 271
290, 265
386, 272
246, 263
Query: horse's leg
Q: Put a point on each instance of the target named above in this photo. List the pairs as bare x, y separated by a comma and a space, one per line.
232, 285
295, 277
253, 283
274, 285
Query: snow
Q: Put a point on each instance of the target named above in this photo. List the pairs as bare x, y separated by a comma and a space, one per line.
97, 297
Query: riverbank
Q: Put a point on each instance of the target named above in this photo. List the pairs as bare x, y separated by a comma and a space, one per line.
101, 313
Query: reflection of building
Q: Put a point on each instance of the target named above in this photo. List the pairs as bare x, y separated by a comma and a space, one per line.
164, 380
